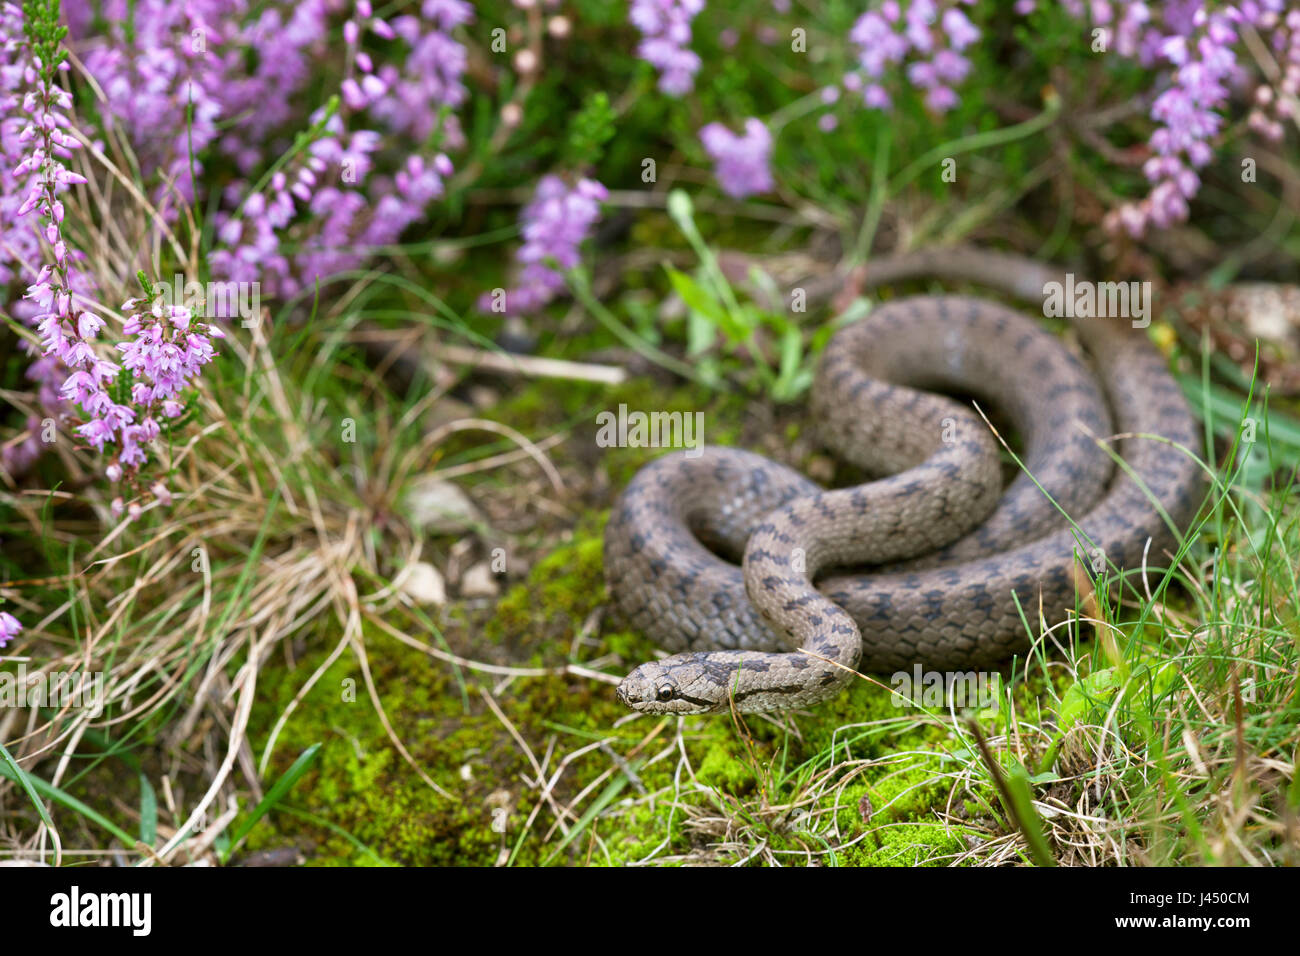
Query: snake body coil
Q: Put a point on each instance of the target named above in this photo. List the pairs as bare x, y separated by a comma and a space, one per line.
955, 559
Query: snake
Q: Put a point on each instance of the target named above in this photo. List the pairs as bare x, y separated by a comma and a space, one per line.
771, 592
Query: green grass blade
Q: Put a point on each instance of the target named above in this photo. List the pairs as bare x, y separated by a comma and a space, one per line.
612, 790
279, 790
148, 812
1027, 817
9, 767
35, 785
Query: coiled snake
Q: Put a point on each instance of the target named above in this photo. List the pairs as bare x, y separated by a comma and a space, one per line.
956, 559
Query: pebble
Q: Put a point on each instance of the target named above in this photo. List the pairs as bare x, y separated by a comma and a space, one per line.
478, 581
436, 506
424, 584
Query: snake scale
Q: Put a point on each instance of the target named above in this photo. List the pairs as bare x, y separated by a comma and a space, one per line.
933, 561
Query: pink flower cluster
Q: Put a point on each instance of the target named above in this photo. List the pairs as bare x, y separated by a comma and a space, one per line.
555, 224
743, 162
166, 348
158, 57
9, 627
1274, 107
429, 82
162, 359
20, 237
19, 243
163, 88
67, 333
666, 35
187, 83
1197, 40
1125, 32
929, 34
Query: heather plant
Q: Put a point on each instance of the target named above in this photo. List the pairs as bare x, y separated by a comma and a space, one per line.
742, 162
162, 352
921, 39
169, 76
174, 75
666, 29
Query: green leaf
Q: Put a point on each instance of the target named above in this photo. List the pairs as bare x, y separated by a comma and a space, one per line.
279, 790
9, 767
1086, 693
791, 353
34, 786
700, 333
764, 283
698, 300
1022, 797
148, 812
791, 378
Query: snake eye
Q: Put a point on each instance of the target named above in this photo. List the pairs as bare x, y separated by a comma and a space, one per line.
665, 692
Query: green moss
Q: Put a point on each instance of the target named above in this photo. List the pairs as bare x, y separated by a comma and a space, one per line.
721, 769
561, 591
910, 844
362, 785
387, 813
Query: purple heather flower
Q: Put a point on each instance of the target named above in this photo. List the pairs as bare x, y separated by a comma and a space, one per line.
665, 26
1198, 44
929, 33
9, 627
961, 33
152, 71
165, 350
67, 334
877, 97
554, 224
742, 162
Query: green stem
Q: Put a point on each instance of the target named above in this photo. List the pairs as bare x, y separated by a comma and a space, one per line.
876, 201
582, 292
966, 144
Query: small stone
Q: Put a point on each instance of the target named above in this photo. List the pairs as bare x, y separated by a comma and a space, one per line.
478, 581
439, 507
1269, 311
424, 584
482, 397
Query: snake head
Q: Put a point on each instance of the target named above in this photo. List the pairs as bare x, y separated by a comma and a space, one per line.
653, 688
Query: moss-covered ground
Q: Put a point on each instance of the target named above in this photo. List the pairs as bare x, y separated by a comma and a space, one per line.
558, 771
